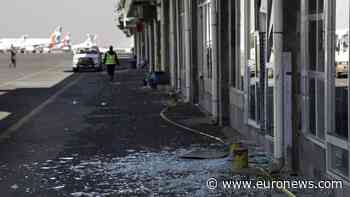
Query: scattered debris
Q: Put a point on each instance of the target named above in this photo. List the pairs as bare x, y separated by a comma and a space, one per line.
15, 186
66, 158
84, 194
58, 187
130, 151
205, 154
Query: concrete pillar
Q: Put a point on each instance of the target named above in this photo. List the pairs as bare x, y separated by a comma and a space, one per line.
188, 32
223, 61
215, 61
151, 46
194, 53
278, 96
138, 48
155, 44
142, 41
145, 37
178, 44
135, 44
172, 43
231, 33
164, 20
141, 47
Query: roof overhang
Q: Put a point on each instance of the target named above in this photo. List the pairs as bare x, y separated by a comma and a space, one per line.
130, 12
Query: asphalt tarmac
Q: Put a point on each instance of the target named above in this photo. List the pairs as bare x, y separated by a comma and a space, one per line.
77, 134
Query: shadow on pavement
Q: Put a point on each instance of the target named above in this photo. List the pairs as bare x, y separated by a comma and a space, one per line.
19, 102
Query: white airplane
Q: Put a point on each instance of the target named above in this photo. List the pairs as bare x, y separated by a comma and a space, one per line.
24, 43
88, 43
8, 43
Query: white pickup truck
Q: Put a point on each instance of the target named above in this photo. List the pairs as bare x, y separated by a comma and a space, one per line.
87, 58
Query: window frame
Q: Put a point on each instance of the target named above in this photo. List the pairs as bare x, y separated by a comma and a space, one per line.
329, 79
206, 37
250, 41
318, 75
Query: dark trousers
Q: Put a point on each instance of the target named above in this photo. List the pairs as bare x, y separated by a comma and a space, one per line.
12, 63
110, 70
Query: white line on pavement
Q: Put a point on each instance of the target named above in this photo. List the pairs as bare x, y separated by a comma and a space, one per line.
37, 110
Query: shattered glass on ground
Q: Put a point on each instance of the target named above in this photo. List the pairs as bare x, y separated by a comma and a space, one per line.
140, 173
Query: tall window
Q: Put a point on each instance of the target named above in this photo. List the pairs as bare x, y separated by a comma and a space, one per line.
339, 139
314, 65
341, 68
325, 55
252, 61
209, 38
253, 67
242, 42
206, 37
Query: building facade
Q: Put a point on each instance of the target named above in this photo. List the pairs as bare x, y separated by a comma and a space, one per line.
276, 71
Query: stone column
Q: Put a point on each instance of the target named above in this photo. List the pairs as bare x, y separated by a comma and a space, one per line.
151, 46
188, 32
172, 43
164, 20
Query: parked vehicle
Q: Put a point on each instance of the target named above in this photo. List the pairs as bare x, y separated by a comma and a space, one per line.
87, 58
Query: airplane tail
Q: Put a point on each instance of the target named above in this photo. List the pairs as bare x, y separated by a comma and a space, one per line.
66, 41
56, 37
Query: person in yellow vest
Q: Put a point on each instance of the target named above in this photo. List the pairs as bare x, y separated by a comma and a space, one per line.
111, 60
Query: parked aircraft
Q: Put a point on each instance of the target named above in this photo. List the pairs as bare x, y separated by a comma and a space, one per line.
26, 44
91, 42
88, 43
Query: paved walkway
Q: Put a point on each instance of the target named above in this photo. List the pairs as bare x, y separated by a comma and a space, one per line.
92, 137
95, 138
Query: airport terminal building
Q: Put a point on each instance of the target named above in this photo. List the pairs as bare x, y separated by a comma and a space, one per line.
276, 71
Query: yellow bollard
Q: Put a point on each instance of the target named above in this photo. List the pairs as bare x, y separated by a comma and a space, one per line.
240, 158
235, 146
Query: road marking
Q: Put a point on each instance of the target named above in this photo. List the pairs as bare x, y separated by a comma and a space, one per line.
4, 114
28, 76
37, 110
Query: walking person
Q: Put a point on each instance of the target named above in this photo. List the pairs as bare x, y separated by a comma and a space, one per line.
12, 57
111, 60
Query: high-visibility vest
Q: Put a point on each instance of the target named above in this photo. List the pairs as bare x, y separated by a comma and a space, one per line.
111, 59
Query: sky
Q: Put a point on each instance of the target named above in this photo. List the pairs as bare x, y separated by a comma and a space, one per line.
38, 18
342, 14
